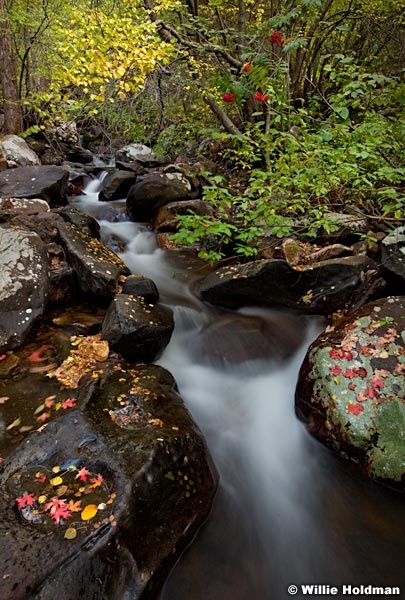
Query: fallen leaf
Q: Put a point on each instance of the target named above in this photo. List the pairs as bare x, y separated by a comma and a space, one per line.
25, 500
4, 399
15, 423
70, 533
89, 512
56, 481
36, 355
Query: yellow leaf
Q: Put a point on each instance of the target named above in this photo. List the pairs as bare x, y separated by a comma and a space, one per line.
55, 469
89, 512
41, 499
56, 481
70, 533
15, 423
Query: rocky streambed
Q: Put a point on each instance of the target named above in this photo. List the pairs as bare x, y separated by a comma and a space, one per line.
105, 477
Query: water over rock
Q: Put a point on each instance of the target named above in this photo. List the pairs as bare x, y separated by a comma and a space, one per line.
318, 289
24, 283
46, 182
351, 389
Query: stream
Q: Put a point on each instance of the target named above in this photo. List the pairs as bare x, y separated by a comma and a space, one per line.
287, 511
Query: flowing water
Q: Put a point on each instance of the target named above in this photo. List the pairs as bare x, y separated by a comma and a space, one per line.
287, 511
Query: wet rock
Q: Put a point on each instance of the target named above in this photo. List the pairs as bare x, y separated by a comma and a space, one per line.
117, 185
320, 289
46, 182
44, 224
80, 155
131, 434
17, 151
138, 285
84, 222
10, 207
23, 284
351, 389
393, 259
98, 269
166, 218
137, 330
153, 191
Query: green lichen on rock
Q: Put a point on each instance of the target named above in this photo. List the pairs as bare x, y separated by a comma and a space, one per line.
356, 374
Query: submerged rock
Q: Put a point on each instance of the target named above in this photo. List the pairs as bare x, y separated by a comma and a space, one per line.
351, 389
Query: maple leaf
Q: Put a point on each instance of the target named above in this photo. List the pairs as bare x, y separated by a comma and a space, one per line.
335, 370
83, 474
75, 506
96, 481
349, 373
68, 403
25, 500
58, 509
336, 353
40, 477
370, 392
36, 355
361, 372
376, 383
382, 373
354, 409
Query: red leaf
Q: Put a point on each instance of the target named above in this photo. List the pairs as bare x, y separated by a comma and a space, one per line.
36, 355
40, 477
354, 409
350, 373
335, 370
25, 500
58, 509
83, 474
96, 481
68, 403
44, 417
3, 356
336, 353
376, 383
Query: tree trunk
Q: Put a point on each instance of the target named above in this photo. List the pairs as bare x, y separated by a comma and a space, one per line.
13, 118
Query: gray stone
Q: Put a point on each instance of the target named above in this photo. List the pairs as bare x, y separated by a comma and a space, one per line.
117, 185
24, 283
138, 152
46, 182
16, 150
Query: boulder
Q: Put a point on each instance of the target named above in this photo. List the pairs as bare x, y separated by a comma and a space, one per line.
166, 217
140, 153
351, 389
84, 222
98, 268
319, 289
138, 285
393, 259
17, 151
153, 191
46, 182
137, 330
24, 283
77, 154
101, 501
117, 185
10, 207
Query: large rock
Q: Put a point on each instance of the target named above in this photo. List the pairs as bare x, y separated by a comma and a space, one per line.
10, 207
320, 289
140, 153
117, 487
137, 330
98, 268
393, 259
46, 182
23, 284
166, 217
16, 150
117, 185
153, 191
351, 389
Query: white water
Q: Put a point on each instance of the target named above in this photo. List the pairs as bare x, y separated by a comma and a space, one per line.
287, 511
